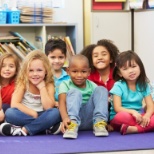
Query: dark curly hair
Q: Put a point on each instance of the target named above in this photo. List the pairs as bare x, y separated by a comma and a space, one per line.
87, 51
112, 49
53, 44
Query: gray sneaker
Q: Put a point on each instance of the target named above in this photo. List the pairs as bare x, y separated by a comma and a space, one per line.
99, 129
72, 131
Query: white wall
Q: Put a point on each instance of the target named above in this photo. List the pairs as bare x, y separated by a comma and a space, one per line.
114, 25
73, 13
144, 40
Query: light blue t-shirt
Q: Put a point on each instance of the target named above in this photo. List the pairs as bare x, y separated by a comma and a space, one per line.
64, 76
86, 92
129, 99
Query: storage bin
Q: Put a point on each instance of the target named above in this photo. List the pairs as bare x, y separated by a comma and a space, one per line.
3, 17
13, 17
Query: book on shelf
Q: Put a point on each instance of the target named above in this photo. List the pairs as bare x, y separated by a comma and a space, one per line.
69, 45
16, 51
16, 34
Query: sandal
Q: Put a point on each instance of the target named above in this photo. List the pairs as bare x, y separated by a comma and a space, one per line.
123, 129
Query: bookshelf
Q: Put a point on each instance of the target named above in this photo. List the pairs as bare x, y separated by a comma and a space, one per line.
31, 31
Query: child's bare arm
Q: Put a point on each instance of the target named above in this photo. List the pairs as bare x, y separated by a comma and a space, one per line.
149, 111
63, 111
47, 95
118, 108
0, 99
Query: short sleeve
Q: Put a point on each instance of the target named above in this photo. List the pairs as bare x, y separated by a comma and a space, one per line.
117, 89
147, 92
63, 88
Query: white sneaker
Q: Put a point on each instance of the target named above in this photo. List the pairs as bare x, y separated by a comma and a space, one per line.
7, 129
99, 129
72, 131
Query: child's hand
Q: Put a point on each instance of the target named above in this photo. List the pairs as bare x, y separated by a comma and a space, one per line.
137, 116
145, 121
65, 124
56, 104
40, 85
34, 114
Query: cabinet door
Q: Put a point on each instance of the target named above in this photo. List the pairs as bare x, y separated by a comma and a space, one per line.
115, 26
144, 39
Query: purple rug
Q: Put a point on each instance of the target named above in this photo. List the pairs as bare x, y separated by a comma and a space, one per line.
86, 142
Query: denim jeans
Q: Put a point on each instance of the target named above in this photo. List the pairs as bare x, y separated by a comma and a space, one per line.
5, 106
45, 119
96, 109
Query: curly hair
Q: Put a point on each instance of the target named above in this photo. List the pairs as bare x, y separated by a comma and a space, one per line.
112, 49
53, 44
87, 51
22, 78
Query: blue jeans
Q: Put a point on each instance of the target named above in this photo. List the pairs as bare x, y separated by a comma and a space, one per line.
45, 119
5, 106
96, 109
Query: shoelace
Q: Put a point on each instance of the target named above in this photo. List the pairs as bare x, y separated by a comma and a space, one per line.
18, 132
72, 126
100, 124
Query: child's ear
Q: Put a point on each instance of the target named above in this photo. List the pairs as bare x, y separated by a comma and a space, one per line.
67, 70
89, 70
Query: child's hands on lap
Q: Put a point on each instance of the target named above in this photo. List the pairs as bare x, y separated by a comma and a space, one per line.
137, 116
145, 120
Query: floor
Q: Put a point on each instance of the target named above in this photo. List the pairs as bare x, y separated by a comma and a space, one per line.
126, 152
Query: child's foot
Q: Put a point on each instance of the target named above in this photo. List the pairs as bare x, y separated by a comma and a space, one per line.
110, 128
7, 129
125, 129
56, 129
72, 131
99, 129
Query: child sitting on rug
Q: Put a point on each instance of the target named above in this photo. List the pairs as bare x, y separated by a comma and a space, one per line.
83, 105
56, 51
102, 62
32, 106
128, 93
9, 67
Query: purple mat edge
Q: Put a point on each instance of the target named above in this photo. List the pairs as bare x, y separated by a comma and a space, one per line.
86, 142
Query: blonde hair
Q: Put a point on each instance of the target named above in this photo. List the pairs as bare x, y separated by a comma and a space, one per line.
16, 61
22, 79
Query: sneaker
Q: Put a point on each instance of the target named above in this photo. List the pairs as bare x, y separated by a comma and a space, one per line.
7, 129
72, 131
99, 129
56, 129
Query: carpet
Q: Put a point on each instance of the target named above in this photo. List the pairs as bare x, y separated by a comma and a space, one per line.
86, 142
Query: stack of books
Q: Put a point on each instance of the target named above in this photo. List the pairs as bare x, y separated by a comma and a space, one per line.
36, 15
16, 44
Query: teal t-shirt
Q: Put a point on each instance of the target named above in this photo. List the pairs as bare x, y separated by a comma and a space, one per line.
129, 99
86, 92
64, 76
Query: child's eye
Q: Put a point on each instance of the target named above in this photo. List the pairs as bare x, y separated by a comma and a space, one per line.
52, 57
74, 71
61, 57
